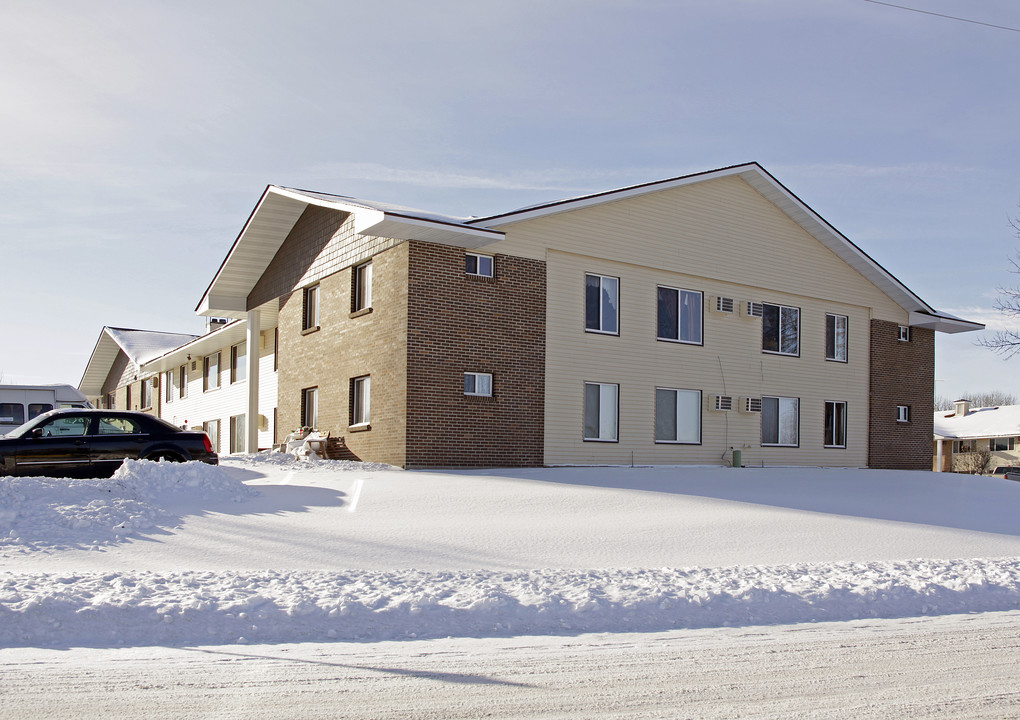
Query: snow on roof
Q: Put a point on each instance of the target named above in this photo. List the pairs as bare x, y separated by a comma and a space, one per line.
1001, 421
144, 345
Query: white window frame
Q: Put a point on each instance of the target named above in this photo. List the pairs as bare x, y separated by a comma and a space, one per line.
147, 390
361, 400
904, 333
182, 386
310, 308
681, 295
838, 428
238, 437
362, 290
478, 384
603, 292
168, 386
475, 264
784, 405
832, 320
692, 402
310, 407
606, 414
238, 362
1009, 443
779, 329
212, 429
903, 413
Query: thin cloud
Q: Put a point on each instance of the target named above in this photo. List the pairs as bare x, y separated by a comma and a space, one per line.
993, 319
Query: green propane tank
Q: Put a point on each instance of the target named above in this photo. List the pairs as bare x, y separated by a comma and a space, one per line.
737, 461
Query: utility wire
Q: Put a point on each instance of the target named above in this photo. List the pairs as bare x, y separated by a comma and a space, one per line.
948, 17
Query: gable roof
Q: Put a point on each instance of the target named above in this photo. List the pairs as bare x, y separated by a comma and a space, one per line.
279, 208
140, 346
1001, 421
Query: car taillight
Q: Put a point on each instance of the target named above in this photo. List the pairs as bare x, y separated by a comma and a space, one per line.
208, 442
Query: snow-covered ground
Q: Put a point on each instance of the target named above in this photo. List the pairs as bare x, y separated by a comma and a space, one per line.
268, 549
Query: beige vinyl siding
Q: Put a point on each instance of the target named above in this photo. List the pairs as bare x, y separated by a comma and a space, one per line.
720, 229
730, 360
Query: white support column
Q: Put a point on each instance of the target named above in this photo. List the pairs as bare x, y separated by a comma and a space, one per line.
938, 455
251, 420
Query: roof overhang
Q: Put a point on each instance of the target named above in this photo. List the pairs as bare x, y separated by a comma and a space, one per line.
113, 341
943, 322
274, 217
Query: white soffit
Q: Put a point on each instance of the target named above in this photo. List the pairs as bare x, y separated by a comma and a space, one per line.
274, 217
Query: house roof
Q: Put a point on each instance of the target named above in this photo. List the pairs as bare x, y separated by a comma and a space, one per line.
279, 208
1001, 421
140, 346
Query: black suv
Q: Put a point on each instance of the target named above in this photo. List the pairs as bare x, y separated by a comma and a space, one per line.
93, 443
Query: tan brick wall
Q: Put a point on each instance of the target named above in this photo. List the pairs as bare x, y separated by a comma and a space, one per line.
902, 373
346, 347
461, 323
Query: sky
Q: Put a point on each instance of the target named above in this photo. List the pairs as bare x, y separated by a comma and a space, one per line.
136, 138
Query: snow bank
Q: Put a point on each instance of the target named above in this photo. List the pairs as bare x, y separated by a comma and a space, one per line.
41, 513
305, 463
143, 608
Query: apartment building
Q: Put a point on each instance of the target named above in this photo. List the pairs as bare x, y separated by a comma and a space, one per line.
699, 319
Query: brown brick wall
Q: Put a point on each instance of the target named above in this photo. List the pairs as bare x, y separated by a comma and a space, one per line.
345, 347
902, 373
460, 323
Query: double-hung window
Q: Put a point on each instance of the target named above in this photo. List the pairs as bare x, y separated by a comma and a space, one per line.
211, 372
835, 424
679, 315
677, 416
147, 387
780, 329
476, 383
362, 291
168, 386
310, 308
475, 264
601, 411
238, 436
902, 413
182, 381
780, 421
238, 362
361, 395
602, 304
835, 337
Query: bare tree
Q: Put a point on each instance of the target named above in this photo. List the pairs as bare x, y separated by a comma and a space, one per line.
1007, 342
994, 398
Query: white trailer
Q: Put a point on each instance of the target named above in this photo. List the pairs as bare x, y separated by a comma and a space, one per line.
21, 403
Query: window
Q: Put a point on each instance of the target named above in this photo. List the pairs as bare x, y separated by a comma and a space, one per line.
478, 264
310, 407
12, 414
127, 397
147, 388
238, 362
677, 416
111, 400
903, 413
168, 386
835, 337
118, 426
212, 429
1004, 443
904, 333
963, 446
680, 315
238, 437
478, 384
276, 348
362, 287
37, 409
310, 309
602, 304
361, 395
780, 421
211, 371
601, 416
182, 382
835, 424
780, 329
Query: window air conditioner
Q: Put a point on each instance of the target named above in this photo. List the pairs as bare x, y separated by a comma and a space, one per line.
722, 403
750, 404
723, 305
754, 309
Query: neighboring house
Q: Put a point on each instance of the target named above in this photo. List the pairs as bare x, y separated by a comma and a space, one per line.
671, 322
977, 439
